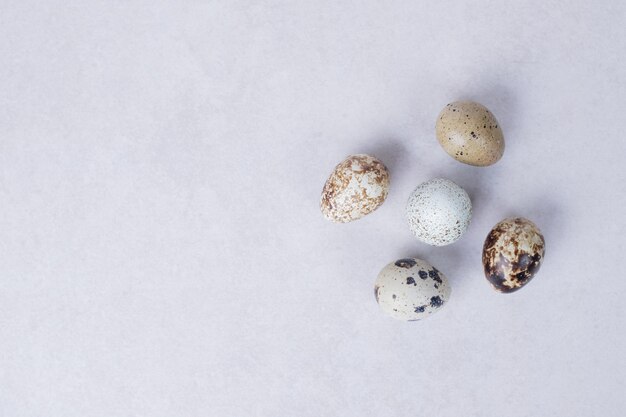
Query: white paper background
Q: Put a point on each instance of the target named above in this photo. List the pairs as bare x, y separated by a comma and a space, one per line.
162, 252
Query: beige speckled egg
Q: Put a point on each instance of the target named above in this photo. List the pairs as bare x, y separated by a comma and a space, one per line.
512, 254
356, 187
470, 133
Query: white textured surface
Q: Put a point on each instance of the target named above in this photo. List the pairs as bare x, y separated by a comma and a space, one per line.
162, 251
438, 212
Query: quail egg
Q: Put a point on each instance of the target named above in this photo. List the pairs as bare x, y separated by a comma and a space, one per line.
470, 133
439, 212
512, 254
411, 289
356, 187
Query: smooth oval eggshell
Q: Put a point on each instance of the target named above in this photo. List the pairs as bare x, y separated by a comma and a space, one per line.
512, 254
356, 187
470, 133
439, 212
411, 289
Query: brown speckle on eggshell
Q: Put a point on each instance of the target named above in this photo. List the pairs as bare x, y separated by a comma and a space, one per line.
512, 254
356, 187
470, 133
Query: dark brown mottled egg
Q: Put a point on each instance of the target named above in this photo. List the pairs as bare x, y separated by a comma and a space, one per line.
512, 254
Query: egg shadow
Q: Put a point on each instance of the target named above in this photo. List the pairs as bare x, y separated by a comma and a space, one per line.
489, 90
448, 259
549, 217
391, 151
473, 180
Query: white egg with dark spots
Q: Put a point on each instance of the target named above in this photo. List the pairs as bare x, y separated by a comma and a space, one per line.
411, 289
439, 212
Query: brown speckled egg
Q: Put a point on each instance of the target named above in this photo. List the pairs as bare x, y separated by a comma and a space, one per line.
512, 254
470, 133
357, 186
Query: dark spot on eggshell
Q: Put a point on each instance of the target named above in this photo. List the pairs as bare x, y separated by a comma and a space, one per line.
524, 260
436, 301
535, 264
420, 309
522, 277
405, 263
423, 274
410, 281
495, 277
376, 287
434, 274
492, 238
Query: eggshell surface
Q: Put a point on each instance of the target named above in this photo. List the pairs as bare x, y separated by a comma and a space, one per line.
512, 254
438, 212
356, 187
470, 133
411, 289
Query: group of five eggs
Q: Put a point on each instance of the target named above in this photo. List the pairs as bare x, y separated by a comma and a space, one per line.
438, 212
